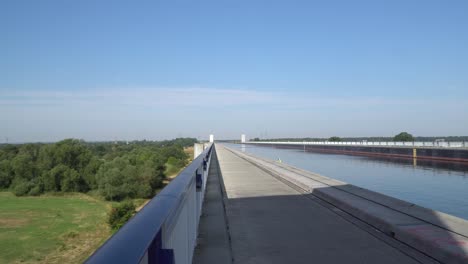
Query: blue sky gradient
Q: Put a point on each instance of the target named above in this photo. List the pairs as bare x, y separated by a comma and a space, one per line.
105, 70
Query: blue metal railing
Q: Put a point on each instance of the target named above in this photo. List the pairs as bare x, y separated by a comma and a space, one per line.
165, 230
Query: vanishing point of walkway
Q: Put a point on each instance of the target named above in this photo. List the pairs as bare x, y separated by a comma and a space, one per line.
249, 216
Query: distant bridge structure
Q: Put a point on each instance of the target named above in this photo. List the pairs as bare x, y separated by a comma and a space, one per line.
438, 150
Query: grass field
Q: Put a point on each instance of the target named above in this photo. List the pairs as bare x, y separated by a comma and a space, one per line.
51, 229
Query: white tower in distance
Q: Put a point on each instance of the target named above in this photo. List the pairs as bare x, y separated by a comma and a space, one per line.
211, 138
243, 138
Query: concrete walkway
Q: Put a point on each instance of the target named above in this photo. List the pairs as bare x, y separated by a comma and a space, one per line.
213, 238
270, 222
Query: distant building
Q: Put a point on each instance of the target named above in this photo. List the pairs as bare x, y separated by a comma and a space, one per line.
242, 138
211, 138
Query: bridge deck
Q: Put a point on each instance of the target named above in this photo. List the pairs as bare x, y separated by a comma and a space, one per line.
271, 222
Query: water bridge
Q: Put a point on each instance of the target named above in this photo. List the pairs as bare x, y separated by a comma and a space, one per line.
231, 207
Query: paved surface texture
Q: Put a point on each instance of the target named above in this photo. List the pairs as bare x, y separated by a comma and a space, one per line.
271, 222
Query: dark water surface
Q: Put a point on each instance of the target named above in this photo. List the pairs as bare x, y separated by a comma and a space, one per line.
440, 186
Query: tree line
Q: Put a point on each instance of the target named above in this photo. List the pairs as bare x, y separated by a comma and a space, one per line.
401, 137
117, 170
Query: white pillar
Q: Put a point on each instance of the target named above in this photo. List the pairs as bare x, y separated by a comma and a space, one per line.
211, 138
242, 138
197, 149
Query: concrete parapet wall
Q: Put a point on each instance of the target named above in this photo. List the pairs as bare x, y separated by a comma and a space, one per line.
441, 236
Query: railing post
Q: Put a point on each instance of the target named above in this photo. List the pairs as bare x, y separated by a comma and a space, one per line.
199, 181
156, 254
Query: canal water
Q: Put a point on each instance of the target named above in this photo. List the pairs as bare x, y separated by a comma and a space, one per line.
440, 186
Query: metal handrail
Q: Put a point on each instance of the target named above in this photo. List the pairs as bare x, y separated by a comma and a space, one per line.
139, 240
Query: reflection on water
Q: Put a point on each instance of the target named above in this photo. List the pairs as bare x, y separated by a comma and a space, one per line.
442, 186
436, 165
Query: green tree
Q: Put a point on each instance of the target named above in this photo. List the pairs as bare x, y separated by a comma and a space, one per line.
403, 136
9, 152
46, 158
53, 179
117, 179
183, 142
72, 153
23, 166
173, 165
334, 139
174, 151
89, 172
152, 174
6, 175
73, 182
120, 214
118, 170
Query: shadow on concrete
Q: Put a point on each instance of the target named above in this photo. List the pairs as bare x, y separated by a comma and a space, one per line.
438, 235
308, 228
292, 229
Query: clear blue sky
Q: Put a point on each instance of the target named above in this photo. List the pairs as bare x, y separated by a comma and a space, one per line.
102, 70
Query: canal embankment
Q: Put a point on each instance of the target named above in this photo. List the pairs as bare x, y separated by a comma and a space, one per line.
438, 235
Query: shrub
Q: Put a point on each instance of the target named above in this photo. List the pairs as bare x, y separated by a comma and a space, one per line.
120, 214
145, 191
35, 191
173, 165
22, 188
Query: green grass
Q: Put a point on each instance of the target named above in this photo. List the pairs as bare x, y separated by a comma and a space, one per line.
51, 229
